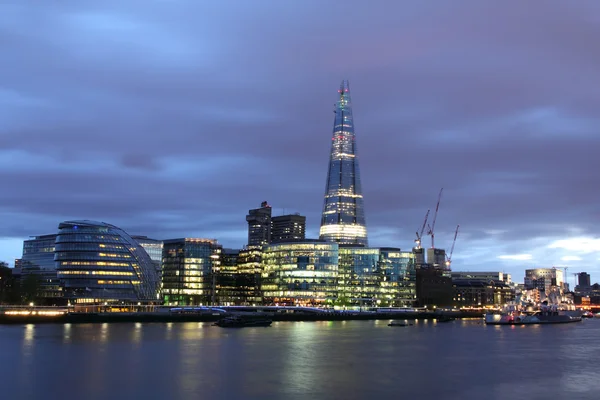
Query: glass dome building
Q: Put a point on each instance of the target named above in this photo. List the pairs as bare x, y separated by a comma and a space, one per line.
98, 262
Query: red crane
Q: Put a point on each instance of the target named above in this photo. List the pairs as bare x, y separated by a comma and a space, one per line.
449, 257
431, 229
420, 234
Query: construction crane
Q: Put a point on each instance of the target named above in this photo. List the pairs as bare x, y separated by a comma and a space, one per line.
449, 257
420, 233
431, 229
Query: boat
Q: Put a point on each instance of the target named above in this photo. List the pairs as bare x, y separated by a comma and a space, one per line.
539, 317
399, 323
587, 314
238, 321
445, 319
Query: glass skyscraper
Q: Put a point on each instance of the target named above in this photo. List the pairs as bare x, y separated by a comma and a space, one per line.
343, 219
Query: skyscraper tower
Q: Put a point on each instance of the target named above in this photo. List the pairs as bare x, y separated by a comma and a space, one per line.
343, 219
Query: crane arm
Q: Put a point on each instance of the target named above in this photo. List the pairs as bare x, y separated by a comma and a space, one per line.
431, 230
453, 243
420, 234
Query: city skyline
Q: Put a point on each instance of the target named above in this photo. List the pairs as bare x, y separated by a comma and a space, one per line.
169, 122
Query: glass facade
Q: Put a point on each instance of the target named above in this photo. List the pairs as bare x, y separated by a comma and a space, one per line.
359, 276
301, 273
98, 262
343, 219
227, 289
38, 264
249, 274
154, 249
398, 281
188, 271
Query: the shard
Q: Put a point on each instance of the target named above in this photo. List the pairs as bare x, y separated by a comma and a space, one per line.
343, 219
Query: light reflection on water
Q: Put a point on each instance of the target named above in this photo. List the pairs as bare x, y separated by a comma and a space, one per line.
305, 360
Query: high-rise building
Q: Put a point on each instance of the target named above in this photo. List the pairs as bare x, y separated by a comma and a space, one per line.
343, 219
98, 262
288, 228
259, 225
584, 279
188, 271
38, 269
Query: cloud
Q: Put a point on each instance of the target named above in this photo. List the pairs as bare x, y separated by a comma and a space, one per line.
518, 257
174, 121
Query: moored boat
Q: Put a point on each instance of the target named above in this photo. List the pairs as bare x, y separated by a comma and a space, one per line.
536, 318
238, 321
399, 323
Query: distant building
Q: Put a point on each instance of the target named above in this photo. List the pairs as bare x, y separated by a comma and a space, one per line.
301, 273
188, 271
543, 278
481, 292
434, 287
100, 263
398, 277
584, 280
227, 287
436, 258
249, 275
154, 249
482, 275
37, 263
259, 225
288, 228
359, 276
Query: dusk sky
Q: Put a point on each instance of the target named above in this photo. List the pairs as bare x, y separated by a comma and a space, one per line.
173, 118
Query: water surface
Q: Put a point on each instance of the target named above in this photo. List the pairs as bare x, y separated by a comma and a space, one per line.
300, 360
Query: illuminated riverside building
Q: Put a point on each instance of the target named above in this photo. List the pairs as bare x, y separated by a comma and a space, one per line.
343, 219
154, 249
37, 264
398, 277
98, 262
249, 275
189, 267
359, 276
299, 273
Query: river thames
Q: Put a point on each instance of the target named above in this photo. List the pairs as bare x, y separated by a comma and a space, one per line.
300, 360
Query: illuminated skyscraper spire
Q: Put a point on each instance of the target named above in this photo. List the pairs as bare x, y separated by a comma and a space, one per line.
343, 219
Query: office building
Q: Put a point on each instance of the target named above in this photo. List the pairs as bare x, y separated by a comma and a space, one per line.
544, 278
100, 263
188, 271
249, 275
358, 276
227, 289
584, 280
343, 219
38, 270
398, 278
436, 258
300, 273
154, 249
259, 225
288, 228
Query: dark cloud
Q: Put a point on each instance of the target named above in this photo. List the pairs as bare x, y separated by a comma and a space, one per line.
172, 119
